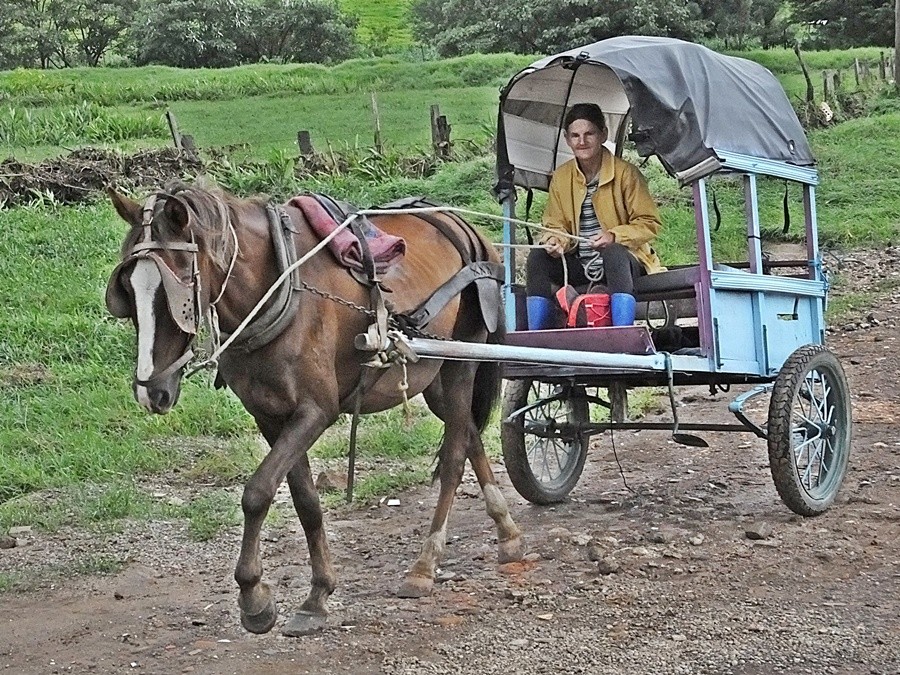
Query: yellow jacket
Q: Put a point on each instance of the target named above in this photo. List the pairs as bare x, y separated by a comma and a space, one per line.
622, 202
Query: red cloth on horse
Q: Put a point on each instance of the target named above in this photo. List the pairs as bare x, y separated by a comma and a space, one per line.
386, 248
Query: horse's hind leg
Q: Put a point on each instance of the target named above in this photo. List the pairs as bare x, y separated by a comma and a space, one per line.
450, 398
257, 603
509, 537
312, 614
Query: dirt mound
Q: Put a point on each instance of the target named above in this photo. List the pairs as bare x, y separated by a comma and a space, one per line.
83, 174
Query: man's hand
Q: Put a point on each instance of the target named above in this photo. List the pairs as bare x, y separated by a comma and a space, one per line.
553, 247
602, 241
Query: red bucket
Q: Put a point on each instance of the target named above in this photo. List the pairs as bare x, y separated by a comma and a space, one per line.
590, 309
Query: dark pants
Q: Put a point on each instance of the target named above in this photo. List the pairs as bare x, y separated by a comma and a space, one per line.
544, 273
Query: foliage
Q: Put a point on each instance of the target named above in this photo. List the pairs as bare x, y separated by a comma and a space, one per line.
740, 23
156, 84
188, 33
304, 31
81, 123
54, 33
838, 24
95, 27
464, 26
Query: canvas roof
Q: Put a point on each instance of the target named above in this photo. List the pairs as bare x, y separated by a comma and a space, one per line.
685, 102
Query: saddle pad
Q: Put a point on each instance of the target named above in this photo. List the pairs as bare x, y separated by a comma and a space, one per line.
386, 249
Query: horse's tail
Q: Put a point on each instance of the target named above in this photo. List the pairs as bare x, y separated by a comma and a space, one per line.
486, 391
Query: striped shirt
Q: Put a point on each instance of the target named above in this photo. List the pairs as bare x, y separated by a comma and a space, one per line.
590, 227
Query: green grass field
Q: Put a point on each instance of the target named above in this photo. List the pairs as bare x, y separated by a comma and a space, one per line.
339, 119
383, 24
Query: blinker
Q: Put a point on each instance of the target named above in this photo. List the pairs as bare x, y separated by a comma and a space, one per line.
179, 294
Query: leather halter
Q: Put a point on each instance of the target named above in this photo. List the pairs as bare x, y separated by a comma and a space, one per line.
182, 297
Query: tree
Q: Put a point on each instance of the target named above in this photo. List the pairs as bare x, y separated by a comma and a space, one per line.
95, 26
742, 23
39, 36
188, 33
462, 26
307, 31
897, 46
840, 24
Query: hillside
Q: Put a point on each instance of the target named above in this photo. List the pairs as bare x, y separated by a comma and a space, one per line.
384, 25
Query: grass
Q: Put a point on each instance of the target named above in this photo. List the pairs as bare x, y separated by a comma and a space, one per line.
383, 24
336, 119
66, 409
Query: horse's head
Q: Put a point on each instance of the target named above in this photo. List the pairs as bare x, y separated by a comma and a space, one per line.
157, 286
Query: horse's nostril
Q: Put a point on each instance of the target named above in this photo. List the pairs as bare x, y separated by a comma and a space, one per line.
159, 398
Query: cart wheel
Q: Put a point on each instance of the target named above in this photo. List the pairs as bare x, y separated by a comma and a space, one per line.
809, 430
544, 463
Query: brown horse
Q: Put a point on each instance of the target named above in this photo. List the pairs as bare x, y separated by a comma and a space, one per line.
192, 246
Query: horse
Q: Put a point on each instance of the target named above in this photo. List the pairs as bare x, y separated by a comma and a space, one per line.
193, 247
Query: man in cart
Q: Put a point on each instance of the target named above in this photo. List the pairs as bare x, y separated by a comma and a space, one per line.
599, 214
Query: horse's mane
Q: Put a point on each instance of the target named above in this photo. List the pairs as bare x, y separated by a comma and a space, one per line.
213, 213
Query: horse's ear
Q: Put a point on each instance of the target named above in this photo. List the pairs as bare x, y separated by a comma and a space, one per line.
128, 209
176, 212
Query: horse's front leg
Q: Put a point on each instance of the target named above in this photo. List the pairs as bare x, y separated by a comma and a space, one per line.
312, 614
256, 601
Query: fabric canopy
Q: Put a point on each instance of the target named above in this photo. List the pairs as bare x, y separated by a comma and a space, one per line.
684, 102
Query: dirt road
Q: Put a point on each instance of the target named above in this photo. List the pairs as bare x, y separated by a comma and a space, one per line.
686, 590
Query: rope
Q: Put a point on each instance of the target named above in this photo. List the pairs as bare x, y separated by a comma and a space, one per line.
268, 294
212, 360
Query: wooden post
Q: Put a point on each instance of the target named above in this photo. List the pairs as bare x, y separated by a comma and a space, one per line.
173, 129
829, 85
379, 146
440, 132
810, 92
897, 46
305, 143
857, 71
189, 147
882, 68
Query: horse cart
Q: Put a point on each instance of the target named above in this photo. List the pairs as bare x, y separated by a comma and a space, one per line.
756, 322
289, 329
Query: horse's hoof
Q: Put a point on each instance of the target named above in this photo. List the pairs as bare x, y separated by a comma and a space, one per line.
304, 623
416, 587
259, 620
511, 550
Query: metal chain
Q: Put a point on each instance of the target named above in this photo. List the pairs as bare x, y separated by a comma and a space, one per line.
337, 299
394, 322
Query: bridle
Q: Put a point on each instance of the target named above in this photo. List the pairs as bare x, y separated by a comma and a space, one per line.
183, 297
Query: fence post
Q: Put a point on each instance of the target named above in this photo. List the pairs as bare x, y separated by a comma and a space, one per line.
379, 146
440, 132
856, 71
305, 143
173, 129
829, 85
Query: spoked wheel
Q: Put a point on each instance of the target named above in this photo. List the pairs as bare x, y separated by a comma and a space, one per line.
809, 430
544, 455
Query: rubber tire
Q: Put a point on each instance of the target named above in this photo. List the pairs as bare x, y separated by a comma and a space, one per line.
515, 450
782, 459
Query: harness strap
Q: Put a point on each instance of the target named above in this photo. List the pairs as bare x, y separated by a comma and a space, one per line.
424, 313
189, 246
275, 319
439, 225
177, 365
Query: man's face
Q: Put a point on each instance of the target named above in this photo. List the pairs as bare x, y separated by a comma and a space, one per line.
585, 140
